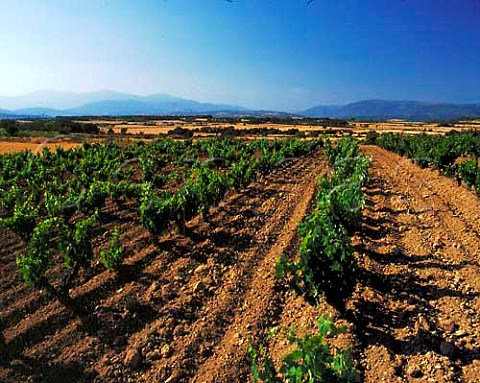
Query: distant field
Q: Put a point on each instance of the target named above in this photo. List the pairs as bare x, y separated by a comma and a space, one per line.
34, 145
153, 128
163, 127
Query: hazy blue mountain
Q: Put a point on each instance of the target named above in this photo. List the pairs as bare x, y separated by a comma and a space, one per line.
321, 111
145, 107
5, 112
40, 112
384, 110
160, 97
111, 108
9, 115
256, 113
106, 103
59, 100
177, 104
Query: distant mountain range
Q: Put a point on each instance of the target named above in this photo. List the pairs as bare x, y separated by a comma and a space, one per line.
107, 103
385, 110
52, 104
5, 113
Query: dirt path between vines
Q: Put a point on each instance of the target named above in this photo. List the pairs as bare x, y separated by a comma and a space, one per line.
186, 307
417, 312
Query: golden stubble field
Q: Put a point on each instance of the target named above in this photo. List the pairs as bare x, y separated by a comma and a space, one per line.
137, 129
162, 127
35, 145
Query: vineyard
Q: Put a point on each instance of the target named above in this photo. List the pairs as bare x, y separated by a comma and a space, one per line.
227, 260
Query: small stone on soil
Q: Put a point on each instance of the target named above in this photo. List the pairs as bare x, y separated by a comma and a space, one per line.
447, 349
414, 371
150, 293
447, 325
460, 333
133, 359
199, 286
20, 364
165, 351
132, 304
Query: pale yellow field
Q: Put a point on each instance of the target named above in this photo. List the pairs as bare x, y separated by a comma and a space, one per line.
36, 147
358, 129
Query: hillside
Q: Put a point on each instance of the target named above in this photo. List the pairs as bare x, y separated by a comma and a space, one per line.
384, 110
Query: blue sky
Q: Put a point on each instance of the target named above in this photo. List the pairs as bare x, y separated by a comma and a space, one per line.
283, 54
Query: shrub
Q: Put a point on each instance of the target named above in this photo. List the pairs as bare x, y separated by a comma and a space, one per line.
312, 361
113, 258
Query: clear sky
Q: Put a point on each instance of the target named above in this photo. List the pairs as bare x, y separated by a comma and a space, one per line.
276, 54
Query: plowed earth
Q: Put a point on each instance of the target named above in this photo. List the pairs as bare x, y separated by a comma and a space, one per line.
187, 306
417, 310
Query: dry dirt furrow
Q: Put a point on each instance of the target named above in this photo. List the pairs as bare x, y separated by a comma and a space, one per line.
182, 302
256, 312
216, 342
417, 312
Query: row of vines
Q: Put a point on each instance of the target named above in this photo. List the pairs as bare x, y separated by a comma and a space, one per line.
455, 155
325, 268
56, 202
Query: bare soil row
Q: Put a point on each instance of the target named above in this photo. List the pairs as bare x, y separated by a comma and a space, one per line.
416, 312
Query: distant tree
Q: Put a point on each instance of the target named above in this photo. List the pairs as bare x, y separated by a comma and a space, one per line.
63, 126
371, 137
10, 126
180, 132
